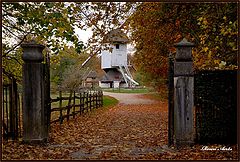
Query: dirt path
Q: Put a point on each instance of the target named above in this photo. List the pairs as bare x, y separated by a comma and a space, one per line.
130, 98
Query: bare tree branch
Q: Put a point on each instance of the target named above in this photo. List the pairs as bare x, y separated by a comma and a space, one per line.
10, 31
87, 17
10, 75
14, 47
4, 55
13, 26
14, 59
91, 56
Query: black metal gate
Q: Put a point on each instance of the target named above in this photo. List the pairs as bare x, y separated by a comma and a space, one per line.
215, 97
11, 111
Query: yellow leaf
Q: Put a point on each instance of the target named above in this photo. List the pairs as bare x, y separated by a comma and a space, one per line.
216, 61
205, 49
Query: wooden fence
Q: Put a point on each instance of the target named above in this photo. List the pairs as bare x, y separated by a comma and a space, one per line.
76, 103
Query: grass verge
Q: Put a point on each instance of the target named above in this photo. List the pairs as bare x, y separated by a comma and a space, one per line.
109, 101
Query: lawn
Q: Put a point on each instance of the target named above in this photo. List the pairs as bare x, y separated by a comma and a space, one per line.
109, 101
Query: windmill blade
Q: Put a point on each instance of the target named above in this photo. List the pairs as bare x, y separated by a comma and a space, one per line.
89, 58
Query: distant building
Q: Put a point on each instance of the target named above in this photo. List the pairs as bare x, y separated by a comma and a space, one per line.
90, 79
115, 63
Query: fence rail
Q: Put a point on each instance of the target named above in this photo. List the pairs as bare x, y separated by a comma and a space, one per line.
76, 103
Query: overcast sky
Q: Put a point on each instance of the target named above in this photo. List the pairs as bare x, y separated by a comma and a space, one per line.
85, 35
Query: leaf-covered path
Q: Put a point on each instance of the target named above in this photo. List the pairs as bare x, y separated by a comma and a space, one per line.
123, 132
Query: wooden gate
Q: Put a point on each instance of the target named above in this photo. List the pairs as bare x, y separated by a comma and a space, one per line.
11, 111
12, 105
170, 99
47, 94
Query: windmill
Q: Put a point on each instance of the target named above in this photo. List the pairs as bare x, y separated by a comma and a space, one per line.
115, 62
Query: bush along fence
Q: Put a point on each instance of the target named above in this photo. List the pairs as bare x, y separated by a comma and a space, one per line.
202, 104
78, 102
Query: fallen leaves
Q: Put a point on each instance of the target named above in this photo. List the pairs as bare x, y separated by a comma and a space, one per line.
127, 132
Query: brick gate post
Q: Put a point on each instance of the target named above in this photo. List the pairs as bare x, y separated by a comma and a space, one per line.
183, 94
34, 118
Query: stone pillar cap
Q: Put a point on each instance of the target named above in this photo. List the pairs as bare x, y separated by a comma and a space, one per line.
32, 51
32, 43
184, 43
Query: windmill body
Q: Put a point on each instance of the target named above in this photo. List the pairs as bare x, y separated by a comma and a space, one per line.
115, 62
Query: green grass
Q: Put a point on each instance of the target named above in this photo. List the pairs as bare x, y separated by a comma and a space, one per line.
109, 101
123, 90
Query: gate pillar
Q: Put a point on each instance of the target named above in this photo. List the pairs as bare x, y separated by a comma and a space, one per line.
183, 94
35, 128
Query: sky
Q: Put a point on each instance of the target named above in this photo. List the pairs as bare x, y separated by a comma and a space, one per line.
84, 35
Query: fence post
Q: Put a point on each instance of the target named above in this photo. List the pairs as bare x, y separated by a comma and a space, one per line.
60, 107
170, 99
12, 110
101, 98
183, 94
90, 101
6, 100
34, 119
96, 99
74, 103
86, 101
69, 106
80, 100
14, 107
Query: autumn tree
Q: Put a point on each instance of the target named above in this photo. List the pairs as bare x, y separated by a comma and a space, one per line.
48, 23
155, 27
217, 39
66, 70
53, 24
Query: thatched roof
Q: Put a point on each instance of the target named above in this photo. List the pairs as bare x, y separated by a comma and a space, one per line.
91, 74
116, 35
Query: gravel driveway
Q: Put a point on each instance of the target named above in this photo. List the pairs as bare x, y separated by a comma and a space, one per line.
130, 98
